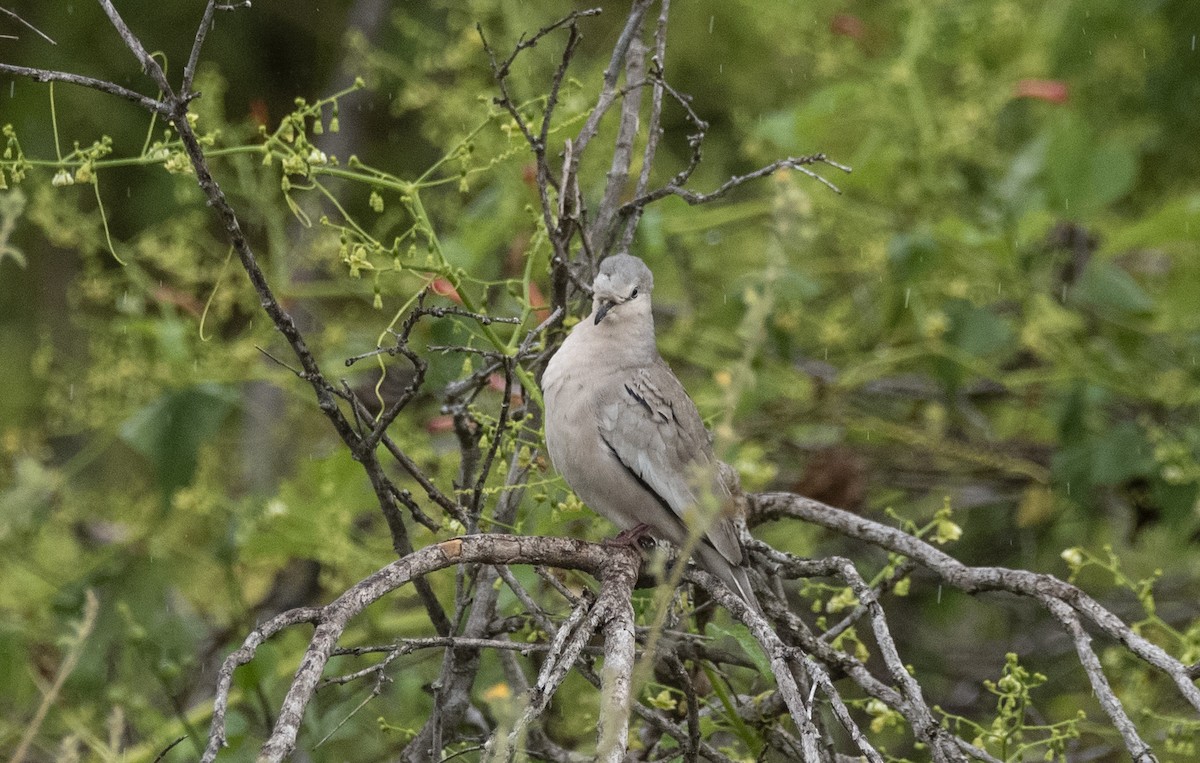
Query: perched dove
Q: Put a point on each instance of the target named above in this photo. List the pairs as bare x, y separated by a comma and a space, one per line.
622, 431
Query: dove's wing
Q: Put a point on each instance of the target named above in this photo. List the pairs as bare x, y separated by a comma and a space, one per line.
649, 423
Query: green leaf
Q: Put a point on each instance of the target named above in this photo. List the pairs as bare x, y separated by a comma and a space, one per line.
912, 254
1108, 287
1082, 177
741, 634
1120, 453
23, 502
170, 431
976, 330
1176, 221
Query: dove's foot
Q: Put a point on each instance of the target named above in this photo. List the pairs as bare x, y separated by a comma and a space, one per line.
631, 537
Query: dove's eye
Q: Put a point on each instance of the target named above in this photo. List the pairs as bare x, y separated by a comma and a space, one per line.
633, 293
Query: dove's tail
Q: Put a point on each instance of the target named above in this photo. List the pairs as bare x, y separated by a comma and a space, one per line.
739, 581
734, 576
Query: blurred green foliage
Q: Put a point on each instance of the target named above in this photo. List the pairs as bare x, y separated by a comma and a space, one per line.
999, 311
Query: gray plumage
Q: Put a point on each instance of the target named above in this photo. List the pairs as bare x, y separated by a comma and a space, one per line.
624, 434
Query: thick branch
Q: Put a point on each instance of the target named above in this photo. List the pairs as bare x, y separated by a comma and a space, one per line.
1139, 751
332, 619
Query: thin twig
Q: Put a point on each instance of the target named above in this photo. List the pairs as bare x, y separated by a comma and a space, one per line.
31, 27
797, 163
83, 631
168, 748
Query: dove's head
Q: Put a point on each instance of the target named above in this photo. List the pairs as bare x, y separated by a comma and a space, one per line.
622, 288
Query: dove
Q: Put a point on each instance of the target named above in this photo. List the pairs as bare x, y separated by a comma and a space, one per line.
624, 434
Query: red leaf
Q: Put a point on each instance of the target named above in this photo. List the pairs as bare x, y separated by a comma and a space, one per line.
258, 112
848, 25
537, 301
529, 175
443, 288
1048, 90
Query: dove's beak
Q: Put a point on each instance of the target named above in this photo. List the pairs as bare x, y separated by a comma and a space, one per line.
602, 310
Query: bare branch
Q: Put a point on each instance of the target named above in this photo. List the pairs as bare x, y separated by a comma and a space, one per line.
608, 92
769, 506
241, 656
653, 126
206, 22
332, 619
47, 75
914, 707
622, 154
149, 66
500, 72
616, 677
410, 645
779, 655
1138, 749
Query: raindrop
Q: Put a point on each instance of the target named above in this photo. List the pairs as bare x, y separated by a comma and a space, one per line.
71, 392
721, 69
710, 23
1193, 42
939, 599
1064, 297
1068, 488
907, 292
12, 86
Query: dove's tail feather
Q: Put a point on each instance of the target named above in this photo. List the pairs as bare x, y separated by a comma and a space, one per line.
740, 583
734, 576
